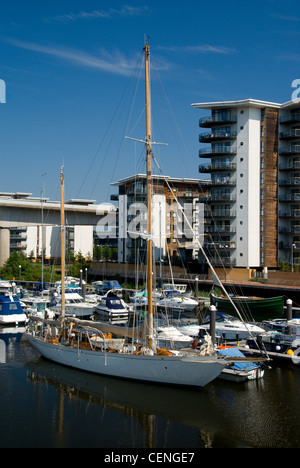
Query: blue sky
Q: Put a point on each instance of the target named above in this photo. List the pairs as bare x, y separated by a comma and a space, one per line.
75, 87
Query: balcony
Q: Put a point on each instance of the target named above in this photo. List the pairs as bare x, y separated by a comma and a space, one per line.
216, 150
219, 229
216, 135
290, 182
289, 197
219, 245
222, 214
222, 197
295, 229
294, 133
290, 214
206, 168
290, 150
293, 166
293, 117
289, 245
212, 120
217, 181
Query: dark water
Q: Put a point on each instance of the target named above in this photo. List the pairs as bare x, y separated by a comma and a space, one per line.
46, 405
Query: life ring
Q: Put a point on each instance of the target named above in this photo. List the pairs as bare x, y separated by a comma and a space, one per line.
195, 343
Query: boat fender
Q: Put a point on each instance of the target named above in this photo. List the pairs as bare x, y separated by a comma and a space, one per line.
195, 343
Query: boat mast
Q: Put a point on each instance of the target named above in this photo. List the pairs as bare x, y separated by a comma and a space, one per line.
149, 193
62, 224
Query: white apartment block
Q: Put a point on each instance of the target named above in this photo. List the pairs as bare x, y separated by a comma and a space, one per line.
171, 233
253, 204
30, 240
33, 239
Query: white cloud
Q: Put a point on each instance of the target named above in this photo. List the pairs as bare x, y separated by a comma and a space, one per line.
200, 48
124, 11
117, 63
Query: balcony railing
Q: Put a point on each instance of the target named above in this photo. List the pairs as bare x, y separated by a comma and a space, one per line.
289, 245
293, 181
290, 150
294, 165
292, 117
217, 167
217, 119
222, 214
290, 214
223, 181
288, 197
217, 150
219, 245
220, 229
294, 133
289, 230
216, 135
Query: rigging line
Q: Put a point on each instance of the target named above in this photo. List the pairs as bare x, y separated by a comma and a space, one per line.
207, 259
107, 130
125, 130
174, 119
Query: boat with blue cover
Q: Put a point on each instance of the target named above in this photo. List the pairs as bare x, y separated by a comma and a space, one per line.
11, 311
106, 286
242, 369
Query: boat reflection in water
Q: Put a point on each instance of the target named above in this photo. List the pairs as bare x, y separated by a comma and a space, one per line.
152, 412
46, 405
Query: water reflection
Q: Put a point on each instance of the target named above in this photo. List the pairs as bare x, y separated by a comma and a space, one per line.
44, 404
149, 408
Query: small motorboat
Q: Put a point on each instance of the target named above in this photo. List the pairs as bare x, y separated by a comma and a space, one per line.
173, 299
170, 337
75, 305
284, 344
231, 328
11, 311
38, 306
241, 369
112, 309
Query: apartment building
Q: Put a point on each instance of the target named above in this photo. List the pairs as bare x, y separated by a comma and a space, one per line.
289, 183
32, 239
252, 215
171, 231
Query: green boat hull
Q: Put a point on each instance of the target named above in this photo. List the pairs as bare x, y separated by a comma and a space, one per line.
259, 308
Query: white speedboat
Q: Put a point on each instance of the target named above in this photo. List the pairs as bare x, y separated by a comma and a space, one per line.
281, 344
112, 309
38, 306
75, 306
175, 300
11, 311
231, 328
168, 335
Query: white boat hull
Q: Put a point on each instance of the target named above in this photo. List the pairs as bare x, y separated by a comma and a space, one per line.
192, 370
75, 311
118, 317
13, 318
241, 376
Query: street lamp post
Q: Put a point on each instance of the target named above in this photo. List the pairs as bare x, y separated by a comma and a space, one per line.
292, 254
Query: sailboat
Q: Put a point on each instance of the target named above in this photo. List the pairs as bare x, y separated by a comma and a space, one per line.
71, 343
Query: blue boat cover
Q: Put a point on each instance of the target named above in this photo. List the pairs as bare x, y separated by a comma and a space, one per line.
235, 352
